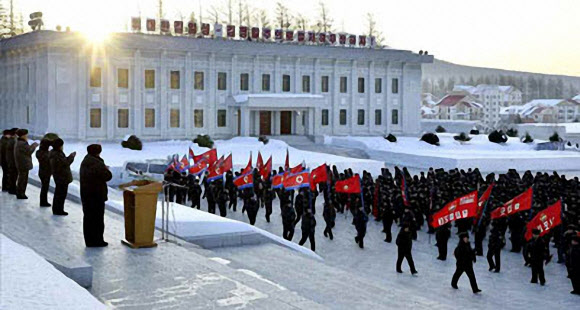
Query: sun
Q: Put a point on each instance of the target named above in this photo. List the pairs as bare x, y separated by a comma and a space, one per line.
98, 36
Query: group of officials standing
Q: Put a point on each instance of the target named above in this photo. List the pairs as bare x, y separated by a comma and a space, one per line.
16, 162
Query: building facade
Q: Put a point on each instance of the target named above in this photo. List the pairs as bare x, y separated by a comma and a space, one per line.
493, 98
459, 106
164, 87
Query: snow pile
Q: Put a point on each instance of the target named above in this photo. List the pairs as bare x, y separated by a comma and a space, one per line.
479, 152
30, 282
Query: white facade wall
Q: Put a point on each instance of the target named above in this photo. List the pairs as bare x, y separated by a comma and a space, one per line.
45, 86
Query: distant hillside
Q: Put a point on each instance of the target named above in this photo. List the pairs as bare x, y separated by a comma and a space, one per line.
440, 77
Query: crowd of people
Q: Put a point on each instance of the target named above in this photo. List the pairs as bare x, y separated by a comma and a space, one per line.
16, 162
392, 198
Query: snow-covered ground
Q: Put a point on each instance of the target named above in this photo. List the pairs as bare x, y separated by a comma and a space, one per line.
477, 153
571, 127
29, 282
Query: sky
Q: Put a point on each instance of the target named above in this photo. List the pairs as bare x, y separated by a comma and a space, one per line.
525, 35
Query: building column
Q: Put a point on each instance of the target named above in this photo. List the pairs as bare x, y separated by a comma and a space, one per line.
334, 112
210, 114
189, 81
371, 97
163, 106
110, 104
277, 76
136, 78
297, 77
245, 122
351, 112
82, 95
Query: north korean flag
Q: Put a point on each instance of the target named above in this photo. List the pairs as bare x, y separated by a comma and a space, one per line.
183, 164
199, 167
219, 168
520, 203
348, 186
545, 220
244, 181
266, 169
191, 155
278, 180
318, 175
297, 169
299, 180
173, 164
210, 155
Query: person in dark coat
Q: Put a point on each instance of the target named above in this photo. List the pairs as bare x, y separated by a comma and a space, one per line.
494, 246
23, 159
288, 218
404, 246
44, 171
94, 175
252, 208
195, 193
360, 223
387, 217
308, 229
210, 195
12, 174
299, 206
465, 257
60, 166
6, 136
232, 190
329, 214
537, 254
222, 200
442, 235
269, 195
573, 263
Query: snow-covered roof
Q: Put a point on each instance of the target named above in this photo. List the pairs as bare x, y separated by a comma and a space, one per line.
547, 103
245, 97
454, 99
514, 109
427, 111
576, 98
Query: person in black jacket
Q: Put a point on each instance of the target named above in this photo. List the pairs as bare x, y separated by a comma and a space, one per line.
442, 235
268, 193
404, 247
288, 218
232, 190
360, 223
210, 195
465, 257
94, 175
222, 200
329, 214
12, 174
60, 166
6, 136
537, 254
252, 208
195, 193
44, 171
573, 258
299, 206
495, 244
23, 159
387, 216
308, 229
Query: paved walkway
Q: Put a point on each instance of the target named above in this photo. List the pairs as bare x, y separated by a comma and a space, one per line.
169, 276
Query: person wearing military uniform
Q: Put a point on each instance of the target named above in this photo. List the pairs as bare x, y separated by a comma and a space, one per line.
465, 257
60, 166
44, 171
308, 229
23, 159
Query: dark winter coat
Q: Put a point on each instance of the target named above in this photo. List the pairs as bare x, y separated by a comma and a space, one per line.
94, 177
60, 166
536, 252
329, 214
464, 255
442, 234
23, 155
44, 170
405, 240
496, 242
3, 148
9, 151
360, 221
308, 223
574, 260
288, 215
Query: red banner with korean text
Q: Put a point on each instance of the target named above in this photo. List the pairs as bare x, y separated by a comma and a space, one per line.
460, 208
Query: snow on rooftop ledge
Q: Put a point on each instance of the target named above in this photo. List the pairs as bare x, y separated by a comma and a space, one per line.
244, 98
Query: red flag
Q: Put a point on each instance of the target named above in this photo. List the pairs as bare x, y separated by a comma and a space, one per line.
297, 169
199, 167
227, 164
210, 155
221, 166
404, 191
460, 208
191, 155
521, 202
482, 201
248, 168
244, 181
183, 164
287, 163
318, 175
278, 180
349, 186
266, 169
545, 220
298, 180
259, 162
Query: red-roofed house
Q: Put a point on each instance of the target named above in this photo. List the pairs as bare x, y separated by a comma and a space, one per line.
459, 106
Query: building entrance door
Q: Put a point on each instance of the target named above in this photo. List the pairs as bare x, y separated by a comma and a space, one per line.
286, 122
265, 123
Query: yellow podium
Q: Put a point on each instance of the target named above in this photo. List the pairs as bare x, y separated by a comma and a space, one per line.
140, 203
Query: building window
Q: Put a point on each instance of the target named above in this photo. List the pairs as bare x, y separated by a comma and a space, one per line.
303, 119
198, 80
95, 118
378, 117
123, 78
343, 86
395, 86
175, 82
395, 117
265, 82
378, 85
285, 83
360, 120
325, 117
306, 83
222, 82
95, 77
221, 118
149, 118
361, 85
342, 116
174, 118
123, 118
198, 118
324, 86
149, 79
244, 81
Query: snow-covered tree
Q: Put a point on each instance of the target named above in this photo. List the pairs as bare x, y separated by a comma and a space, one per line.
262, 18
373, 31
301, 21
283, 16
324, 21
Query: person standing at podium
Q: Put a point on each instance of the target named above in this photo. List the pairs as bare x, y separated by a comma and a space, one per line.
94, 175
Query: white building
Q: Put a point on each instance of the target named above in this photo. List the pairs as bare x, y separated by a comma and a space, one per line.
493, 98
164, 87
459, 106
550, 111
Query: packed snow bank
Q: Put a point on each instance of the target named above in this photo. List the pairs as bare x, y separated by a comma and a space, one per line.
30, 282
477, 153
241, 147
